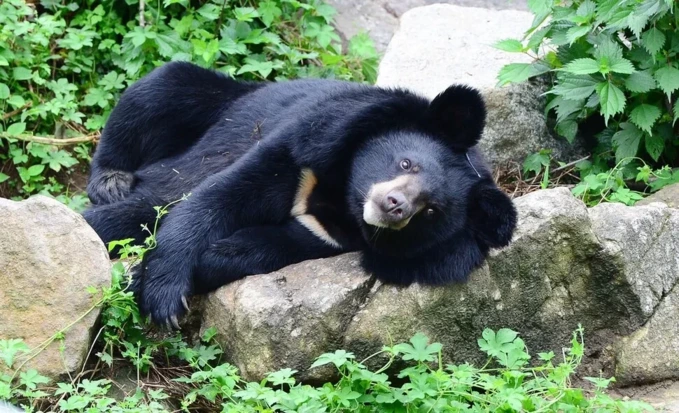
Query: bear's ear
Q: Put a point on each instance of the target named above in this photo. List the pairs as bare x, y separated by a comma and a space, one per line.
491, 214
459, 115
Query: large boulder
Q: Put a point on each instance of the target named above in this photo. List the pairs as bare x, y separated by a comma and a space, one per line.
48, 258
441, 44
668, 195
611, 268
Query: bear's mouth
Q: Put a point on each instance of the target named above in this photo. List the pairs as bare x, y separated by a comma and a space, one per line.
392, 204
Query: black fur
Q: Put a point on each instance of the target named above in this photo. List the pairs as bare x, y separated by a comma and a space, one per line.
240, 149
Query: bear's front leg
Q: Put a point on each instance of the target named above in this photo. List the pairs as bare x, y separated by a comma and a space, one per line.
260, 250
257, 190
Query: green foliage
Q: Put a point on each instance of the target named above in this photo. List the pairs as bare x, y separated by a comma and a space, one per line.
507, 383
616, 59
62, 69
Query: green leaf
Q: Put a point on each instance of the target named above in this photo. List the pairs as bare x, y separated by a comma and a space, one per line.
268, 12
576, 32
10, 348
623, 66
4, 91
210, 11
640, 82
675, 109
3, 178
21, 73
667, 78
509, 45
568, 129
626, 141
245, 14
520, 72
16, 129
644, 116
612, 100
36, 170
535, 161
582, 66
418, 349
653, 40
575, 88
655, 145
637, 22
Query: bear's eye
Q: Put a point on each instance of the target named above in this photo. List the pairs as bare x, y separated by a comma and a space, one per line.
429, 212
405, 164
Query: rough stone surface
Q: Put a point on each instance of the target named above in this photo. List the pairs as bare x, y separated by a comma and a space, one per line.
380, 18
668, 195
287, 318
439, 45
611, 268
48, 257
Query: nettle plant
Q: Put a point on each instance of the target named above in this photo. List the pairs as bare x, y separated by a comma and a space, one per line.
64, 64
613, 59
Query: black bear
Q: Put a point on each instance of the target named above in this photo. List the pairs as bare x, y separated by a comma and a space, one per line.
281, 172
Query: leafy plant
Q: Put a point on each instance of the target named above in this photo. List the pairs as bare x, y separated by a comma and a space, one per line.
608, 58
64, 65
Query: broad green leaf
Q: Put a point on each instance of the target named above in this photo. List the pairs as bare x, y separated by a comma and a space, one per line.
655, 144
582, 66
268, 12
611, 98
568, 129
626, 141
623, 66
36, 170
653, 40
16, 128
520, 72
644, 116
229, 46
575, 88
509, 45
4, 91
667, 78
210, 11
21, 73
535, 161
636, 22
245, 14
326, 11
576, 32
539, 7
3, 177
640, 82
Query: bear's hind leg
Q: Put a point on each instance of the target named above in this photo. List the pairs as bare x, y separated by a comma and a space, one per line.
161, 115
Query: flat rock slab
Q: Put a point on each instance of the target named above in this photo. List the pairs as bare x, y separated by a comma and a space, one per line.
48, 258
380, 18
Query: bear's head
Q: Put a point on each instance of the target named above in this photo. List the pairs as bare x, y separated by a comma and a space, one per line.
423, 198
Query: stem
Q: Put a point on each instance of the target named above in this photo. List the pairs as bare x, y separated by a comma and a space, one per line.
52, 141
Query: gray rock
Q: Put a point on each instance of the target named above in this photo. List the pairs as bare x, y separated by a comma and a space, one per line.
48, 258
287, 318
439, 45
611, 268
380, 18
668, 195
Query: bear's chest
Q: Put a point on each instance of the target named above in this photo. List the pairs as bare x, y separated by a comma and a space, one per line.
321, 207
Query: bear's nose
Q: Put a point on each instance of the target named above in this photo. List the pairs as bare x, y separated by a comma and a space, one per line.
395, 204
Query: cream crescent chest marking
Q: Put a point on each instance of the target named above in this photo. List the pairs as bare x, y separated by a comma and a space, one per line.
307, 183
